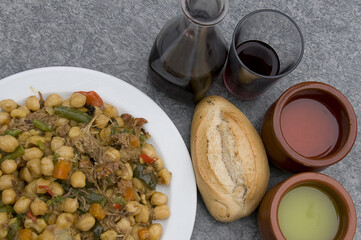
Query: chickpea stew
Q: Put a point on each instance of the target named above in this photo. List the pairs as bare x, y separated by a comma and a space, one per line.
76, 169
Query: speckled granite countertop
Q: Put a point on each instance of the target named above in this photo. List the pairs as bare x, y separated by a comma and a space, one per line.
116, 36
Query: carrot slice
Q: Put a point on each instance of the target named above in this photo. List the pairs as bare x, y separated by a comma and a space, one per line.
62, 170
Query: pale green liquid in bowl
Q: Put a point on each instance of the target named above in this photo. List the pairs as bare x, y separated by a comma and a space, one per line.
307, 213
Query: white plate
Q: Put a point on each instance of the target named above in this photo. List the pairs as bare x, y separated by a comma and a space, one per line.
164, 135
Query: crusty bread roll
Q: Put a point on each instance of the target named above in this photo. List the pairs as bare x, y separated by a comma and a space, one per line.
229, 159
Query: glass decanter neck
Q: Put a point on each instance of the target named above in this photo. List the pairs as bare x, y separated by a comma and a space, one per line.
205, 12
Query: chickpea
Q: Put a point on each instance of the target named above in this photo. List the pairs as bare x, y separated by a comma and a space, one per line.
161, 212
39, 225
138, 184
18, 113
134, 232
66, 103
109, 235
85, 222
48, 136
65, 220
26, 175
124, 224
8, 105
4, 218
120, 121
8, 196
47, 166
34, 140
42, 182
149, 150
110, 110
32, 153
104, 133
24, 136
4, 118
165, 176
6, 181
3, 129
56, 143
143, 215
8, 143
77, 237
34, 132
102, 121
31, 188
155, 231
158, 164
74, 132
158, 199
24, 108
77, 100
66, 152
53, 100
9, 166
56, 189
77, 179
34, 167
22, 205
38, 207
33, 103
97, 110
126, 173
61, 121
113, 155
46, 235
70, 205
132, 207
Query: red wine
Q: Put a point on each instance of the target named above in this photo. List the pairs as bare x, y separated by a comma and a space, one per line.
259, 57
183, 63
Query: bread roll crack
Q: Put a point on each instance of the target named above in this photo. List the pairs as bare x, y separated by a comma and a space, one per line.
224, 158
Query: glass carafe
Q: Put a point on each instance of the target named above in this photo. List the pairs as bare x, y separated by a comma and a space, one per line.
189, 52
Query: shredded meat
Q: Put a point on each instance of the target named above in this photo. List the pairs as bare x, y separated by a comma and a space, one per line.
91, 146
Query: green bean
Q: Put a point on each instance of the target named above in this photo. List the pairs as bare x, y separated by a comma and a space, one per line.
72, 114
19, 151
42, 126
13, 132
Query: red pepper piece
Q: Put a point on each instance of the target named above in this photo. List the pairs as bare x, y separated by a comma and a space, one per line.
92, 98
30, 215
147, 159
118, 206
47, 189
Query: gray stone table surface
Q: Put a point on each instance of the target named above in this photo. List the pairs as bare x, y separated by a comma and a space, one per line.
115, 37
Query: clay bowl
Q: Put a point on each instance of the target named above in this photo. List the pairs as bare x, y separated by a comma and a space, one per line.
267, 214
281, 152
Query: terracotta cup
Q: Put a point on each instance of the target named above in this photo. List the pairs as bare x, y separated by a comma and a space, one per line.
281, 153
268, 211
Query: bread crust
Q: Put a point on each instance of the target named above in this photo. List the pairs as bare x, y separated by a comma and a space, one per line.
229, 159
